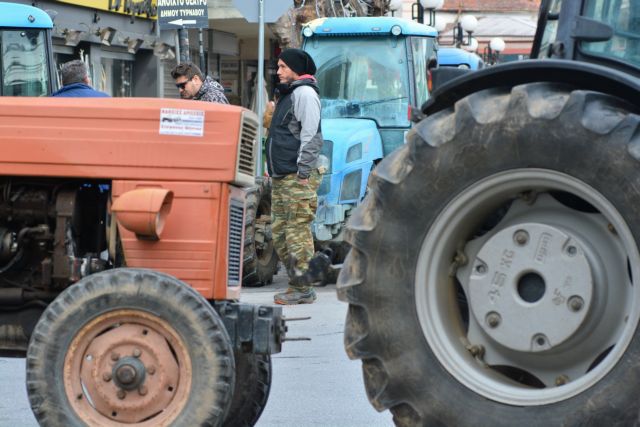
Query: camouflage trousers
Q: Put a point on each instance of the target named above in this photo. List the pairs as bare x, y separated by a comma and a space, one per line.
293, 208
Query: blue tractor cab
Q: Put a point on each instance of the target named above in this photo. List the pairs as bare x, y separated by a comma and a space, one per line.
371, 71
26, 54
459, 58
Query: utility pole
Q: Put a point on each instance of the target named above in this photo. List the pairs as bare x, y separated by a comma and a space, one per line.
183, 40
260, 82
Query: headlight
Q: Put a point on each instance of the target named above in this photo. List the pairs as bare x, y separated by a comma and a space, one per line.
307, 32
396, 30
351, 186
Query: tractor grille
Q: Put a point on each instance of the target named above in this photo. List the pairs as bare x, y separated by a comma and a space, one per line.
236, 221
248, 142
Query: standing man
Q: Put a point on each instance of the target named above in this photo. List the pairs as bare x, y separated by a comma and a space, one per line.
192, 85
76, 82
293, 148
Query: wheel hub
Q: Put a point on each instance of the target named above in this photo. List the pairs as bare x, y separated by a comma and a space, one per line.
129, 373
530, 287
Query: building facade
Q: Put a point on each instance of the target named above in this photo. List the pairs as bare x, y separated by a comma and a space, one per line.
514, 21
116, 38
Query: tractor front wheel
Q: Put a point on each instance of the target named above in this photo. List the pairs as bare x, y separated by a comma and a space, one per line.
131, 347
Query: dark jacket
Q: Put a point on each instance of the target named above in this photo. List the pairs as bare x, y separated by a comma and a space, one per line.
211, 91
295, 137
79, 90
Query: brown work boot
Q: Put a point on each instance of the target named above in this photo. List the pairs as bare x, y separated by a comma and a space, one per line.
295, 296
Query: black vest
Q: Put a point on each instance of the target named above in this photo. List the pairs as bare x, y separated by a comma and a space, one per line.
283, 144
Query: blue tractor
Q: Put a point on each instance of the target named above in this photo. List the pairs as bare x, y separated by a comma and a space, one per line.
371, 72
26, 54
459, 58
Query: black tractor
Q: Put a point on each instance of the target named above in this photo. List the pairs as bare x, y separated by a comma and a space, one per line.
494, 275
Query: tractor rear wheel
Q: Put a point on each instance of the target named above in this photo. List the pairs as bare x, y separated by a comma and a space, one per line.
133, 347
513, 298
253, 383
260, 262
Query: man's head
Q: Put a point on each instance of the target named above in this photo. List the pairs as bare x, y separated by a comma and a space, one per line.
188, 79
293, 63
74, 72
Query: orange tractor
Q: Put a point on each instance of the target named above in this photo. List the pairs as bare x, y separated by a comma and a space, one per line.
121, 247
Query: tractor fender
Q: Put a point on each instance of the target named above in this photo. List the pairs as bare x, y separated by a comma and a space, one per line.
581, 75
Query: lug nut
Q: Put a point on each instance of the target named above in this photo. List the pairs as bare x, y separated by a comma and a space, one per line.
106, 376
476, 350
151, 370
121, 394
481, 269
142, 390
571, 250
493, 319
575, 303
562, 380
521, 237
115, 356
136, 352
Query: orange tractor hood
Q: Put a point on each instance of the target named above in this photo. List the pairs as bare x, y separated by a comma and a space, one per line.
117, 138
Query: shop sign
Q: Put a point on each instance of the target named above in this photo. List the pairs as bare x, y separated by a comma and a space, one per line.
177, 14
137, 8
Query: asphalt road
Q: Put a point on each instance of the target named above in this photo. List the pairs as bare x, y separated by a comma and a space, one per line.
314, 383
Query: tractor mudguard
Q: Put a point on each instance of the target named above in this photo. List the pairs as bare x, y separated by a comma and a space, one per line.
578, 74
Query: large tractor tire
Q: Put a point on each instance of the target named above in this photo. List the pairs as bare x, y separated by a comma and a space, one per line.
130, 347
253, 383
494, 278
260, 262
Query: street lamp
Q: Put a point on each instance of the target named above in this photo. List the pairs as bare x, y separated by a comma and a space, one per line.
395, 5
466, 24
418, 8
493, 50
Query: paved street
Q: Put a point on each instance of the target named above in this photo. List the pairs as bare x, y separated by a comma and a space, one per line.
314, 383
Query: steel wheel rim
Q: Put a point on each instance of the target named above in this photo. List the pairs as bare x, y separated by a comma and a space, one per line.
436, 307
89, 388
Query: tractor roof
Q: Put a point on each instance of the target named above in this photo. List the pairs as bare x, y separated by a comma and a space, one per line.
23, 16
367, 26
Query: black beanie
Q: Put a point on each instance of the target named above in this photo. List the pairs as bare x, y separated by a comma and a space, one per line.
299, 61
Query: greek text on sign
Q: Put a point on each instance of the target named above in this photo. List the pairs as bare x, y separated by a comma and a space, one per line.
175, 121
176, 14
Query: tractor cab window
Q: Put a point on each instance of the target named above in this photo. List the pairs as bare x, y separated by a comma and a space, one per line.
423, 52
363, 78
624, 17
23, 63
550, 28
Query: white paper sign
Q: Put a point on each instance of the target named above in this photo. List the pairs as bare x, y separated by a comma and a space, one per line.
174, 121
